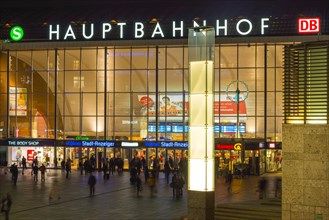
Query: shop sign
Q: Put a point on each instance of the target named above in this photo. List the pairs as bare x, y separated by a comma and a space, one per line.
30, 143
237, 146
152, 144
224, 146
84, 138
174, 144
73, 143
129, 144
97, 143
308, 25
30, 155
271, 145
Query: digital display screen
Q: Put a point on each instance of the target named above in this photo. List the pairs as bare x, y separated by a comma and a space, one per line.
232, 128
179, 128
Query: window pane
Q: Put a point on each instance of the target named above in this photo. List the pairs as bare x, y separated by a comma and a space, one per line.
73, 81
279, 104
279, 79
161, 58
110, 104
72, 59
260, 104
139, 80
88, 59
122, 104
226, 77
174, 57
110, 59
122, 129
72, 104
88, 103
250, 104
248, 77
110, 128
174, 80
40, 60
122, 81
260, 127
228, 56
246, 56
279, 55
260, 56
71, 126
260, 79
139, 58
271, 79
100, 59
100, 103
151, 81
122, 58
270, 56
151, 58
271, 131
88, 80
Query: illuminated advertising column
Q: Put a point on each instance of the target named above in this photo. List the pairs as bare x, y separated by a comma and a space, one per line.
201, 123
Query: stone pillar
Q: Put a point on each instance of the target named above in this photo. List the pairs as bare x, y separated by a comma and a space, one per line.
305, 176
201, 205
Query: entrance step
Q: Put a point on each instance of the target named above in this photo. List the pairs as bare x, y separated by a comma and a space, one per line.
250, 210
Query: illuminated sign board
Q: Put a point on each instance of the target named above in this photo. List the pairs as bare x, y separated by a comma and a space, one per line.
237, 146
16, 33
30, 142
167, 144
271, 145
224, 146
104, 31
129, 144
308, 25
88, 143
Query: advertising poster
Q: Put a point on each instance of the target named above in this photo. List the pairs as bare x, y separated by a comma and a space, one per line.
30, 155
17, 101
171, 106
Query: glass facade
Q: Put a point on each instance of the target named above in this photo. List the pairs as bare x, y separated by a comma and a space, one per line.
113, 93
134, 94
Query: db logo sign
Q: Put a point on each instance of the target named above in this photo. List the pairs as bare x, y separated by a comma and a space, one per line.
308, 25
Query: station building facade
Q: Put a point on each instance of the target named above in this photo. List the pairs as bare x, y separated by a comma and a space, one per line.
72, 89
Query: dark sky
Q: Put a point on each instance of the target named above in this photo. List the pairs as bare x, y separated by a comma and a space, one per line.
94, 10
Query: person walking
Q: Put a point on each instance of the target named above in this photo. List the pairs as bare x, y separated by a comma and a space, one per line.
63, 165
229, 181
81, 166
43, 171
112, 165
166, 170
35, 170
15, 174
138, 184
24, 165
92, 183
6, 205
68, 167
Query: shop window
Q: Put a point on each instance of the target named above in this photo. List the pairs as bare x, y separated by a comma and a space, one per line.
78, 82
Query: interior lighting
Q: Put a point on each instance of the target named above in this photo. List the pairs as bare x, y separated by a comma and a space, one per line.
154, 21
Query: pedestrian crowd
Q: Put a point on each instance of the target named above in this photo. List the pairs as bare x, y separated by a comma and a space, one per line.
177, 170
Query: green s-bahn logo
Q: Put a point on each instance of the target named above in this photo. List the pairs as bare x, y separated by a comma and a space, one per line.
16, 33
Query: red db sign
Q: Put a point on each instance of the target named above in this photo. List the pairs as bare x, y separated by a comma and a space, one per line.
308, 25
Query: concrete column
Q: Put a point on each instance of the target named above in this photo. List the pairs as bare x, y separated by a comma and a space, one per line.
305, 176
201, 205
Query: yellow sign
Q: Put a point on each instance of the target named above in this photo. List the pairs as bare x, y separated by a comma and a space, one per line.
237, 146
